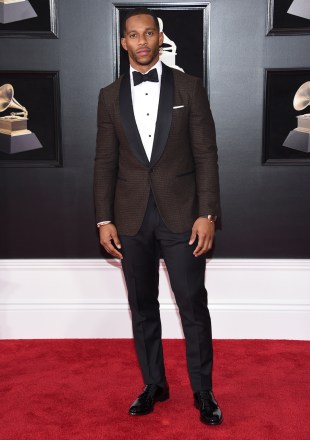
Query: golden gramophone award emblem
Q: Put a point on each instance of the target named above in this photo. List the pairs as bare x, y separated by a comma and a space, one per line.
14, 134
15, 10
299, 138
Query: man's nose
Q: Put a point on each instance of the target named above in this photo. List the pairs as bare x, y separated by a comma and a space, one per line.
142, 39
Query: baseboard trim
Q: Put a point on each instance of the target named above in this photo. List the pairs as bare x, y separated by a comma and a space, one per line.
247, 299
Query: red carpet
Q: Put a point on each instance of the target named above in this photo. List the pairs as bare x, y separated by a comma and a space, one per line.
81, 390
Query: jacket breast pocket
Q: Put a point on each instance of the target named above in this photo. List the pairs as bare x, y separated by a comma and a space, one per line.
180, 116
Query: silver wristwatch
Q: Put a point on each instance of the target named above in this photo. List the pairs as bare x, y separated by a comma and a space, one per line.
212, 218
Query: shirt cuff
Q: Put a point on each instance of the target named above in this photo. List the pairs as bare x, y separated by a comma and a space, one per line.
103, 223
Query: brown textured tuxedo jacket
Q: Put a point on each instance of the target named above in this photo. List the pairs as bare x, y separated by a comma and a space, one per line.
182, 172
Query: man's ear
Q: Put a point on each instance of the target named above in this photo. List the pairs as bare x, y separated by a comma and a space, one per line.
123, 43
161, 38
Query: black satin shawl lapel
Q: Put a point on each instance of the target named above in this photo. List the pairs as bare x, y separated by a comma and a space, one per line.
129, 122
164, 115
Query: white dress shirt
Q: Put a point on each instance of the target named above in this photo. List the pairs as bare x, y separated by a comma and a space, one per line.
145, 99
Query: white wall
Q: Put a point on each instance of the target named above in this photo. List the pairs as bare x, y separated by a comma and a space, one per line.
87, 299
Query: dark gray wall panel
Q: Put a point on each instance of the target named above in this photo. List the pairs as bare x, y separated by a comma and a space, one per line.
48, 213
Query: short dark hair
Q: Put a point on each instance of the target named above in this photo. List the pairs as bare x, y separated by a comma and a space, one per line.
139, 11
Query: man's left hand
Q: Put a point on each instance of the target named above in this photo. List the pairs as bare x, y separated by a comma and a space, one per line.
204, 229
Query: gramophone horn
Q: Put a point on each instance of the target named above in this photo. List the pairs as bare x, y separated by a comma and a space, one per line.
302, 97
7, 99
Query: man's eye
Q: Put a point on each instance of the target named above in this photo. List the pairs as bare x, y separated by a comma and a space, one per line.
150, 33
132, 35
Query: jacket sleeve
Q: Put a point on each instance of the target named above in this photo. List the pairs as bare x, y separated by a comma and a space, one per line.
204, 148
106, 162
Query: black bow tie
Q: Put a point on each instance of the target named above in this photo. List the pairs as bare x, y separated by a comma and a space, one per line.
138, 77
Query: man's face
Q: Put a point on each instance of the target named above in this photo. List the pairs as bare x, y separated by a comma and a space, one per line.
142, 41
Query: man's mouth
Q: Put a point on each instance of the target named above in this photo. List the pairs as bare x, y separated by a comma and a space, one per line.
143, 52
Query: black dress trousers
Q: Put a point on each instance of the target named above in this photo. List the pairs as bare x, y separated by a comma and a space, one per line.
186, 273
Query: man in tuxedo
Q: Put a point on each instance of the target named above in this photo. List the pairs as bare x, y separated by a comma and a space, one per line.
157, 194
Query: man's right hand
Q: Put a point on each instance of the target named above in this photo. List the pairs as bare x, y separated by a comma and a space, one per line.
108, 236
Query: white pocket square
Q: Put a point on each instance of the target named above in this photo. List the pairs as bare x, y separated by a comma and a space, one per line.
178, 106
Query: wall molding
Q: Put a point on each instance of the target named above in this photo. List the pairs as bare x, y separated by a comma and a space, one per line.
87, 299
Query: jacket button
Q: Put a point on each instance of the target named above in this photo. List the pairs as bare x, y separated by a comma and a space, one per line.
151, 170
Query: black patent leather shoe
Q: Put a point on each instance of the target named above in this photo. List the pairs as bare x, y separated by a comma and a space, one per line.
144, 404
210, 412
